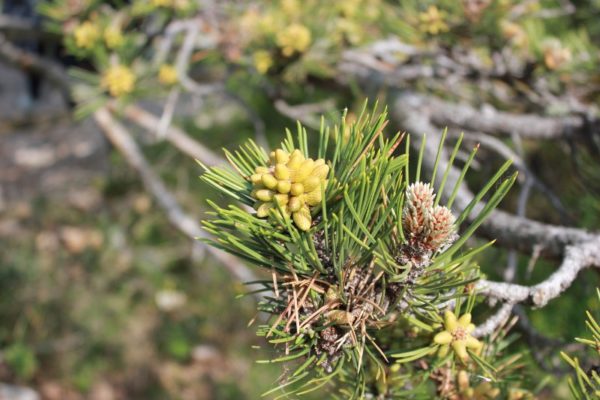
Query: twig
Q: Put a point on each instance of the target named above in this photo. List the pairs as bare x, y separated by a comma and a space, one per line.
495, 122
23, 28
176, 136
494, 321
122, 140
183, 62
412, 112
305, 113
167, 115
577, 258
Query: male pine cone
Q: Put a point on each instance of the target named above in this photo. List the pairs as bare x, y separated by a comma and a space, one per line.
291, 182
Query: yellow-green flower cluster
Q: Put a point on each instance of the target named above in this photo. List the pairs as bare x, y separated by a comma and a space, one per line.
167, 75
118, 80
457, 334
89, 33
113, 36
86, 35
294, 38
262, 61
291, 182
433, 21
162, 3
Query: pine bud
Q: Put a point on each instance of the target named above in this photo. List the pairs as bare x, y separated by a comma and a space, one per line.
331, 294
340, 317
441, 226
420, 194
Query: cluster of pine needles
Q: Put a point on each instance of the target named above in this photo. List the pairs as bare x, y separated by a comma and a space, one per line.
357, 296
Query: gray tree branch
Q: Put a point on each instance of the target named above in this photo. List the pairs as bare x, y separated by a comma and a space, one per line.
122, 140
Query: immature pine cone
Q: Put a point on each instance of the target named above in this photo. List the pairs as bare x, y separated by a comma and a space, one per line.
426, 226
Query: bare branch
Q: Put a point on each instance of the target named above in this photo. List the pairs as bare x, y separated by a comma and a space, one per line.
577, 258
494, 122
411, 111
308, 114
122, 140
493, 322
176, 136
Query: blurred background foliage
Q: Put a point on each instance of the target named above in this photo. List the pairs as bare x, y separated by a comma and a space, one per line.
101, 298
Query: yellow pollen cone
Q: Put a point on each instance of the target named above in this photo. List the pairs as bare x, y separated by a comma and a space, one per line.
450, 322
443, 337
296, 158
302, 219
321, 171
304, 171
264, 195
314, 198
263, 210
284, 187
311, 183
281, 156
297, 189
465, 320
269, 181
256, 178
282, 172
281, 199
295, 204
